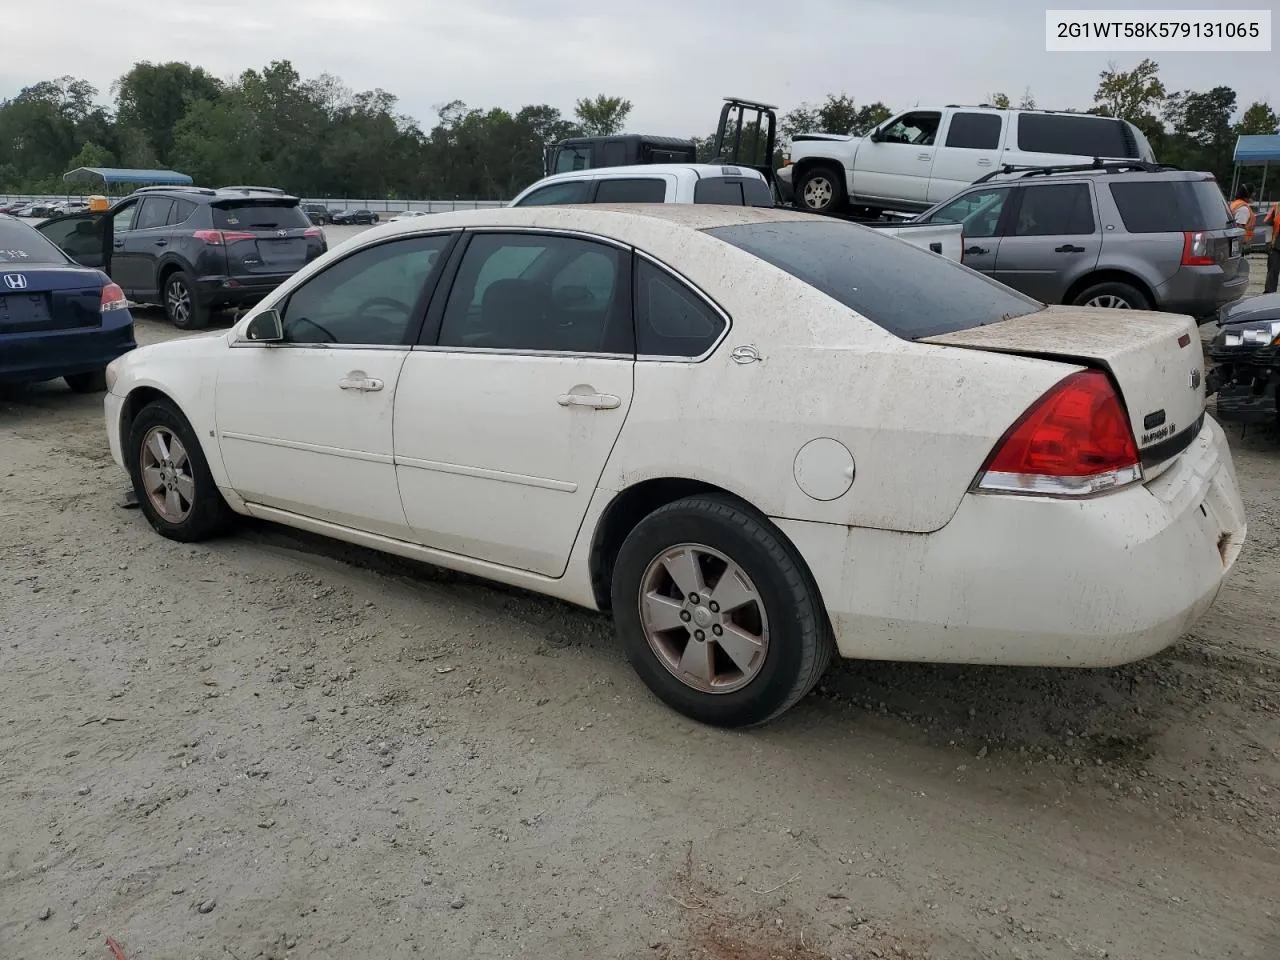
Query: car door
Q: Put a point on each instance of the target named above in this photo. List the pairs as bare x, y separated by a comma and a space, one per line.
1051, 239
305, 425
895, 162
982, 212
84, 237
970, 148
506, 414
138, 250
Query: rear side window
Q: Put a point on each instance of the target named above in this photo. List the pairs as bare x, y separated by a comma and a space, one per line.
182, 209
572, 191
154, 212
671, 319
975, 131
21, 245
258, 216
1170, 206
731, 191
1054, 210
636, 190
905, 290
1081, 136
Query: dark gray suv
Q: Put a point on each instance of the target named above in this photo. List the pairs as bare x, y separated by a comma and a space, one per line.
1122, 235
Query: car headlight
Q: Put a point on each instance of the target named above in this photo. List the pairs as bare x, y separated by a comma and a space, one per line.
1259, 335
113, 371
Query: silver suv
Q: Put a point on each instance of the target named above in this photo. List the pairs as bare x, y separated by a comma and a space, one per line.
1124, 235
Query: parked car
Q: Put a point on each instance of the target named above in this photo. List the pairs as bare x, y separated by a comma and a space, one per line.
57, 319
702, 183
756, 436
317, 213
193, 249
923, 156
354, 216
1245, 354
1125, 235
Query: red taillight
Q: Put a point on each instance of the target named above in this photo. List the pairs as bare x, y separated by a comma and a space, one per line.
220, 238
313, 232
1195, 250
113, 298
1074, 441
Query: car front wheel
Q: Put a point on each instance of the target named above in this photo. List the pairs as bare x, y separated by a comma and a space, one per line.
171, 477
718, 614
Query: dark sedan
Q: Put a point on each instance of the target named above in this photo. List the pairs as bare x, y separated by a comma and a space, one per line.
354, 216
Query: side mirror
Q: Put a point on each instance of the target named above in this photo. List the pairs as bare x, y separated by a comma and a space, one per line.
876, 137
266, 327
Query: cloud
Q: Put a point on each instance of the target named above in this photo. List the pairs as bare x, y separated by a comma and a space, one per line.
674, 59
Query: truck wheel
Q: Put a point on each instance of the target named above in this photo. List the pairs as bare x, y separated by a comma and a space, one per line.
820, 190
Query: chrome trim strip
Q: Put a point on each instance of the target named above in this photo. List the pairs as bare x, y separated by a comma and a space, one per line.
308, 447
506, 351
285, 345
481, 473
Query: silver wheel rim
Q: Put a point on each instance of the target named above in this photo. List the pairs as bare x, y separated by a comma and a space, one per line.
818, 192
1108, 301
166, 474
703, 618
179, 301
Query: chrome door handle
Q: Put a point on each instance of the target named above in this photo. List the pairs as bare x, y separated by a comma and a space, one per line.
363, 384
984, 162
924, 156
599, 401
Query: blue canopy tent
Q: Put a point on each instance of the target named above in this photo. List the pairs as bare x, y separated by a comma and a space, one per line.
1256, 151
113, 176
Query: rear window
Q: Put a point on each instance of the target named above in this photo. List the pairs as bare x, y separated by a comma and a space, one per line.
735, 192
908, 291
1171, 206
1081, 136
258, 216
21, 244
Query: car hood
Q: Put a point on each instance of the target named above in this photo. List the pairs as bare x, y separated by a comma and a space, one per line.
1250, 310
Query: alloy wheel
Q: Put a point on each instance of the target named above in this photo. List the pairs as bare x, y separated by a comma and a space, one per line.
178, 299
1109, 301
166, 474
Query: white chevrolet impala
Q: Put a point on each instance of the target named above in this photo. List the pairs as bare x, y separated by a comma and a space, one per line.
757, 437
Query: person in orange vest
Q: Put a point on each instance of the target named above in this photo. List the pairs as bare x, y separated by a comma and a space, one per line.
1273, 248
1242, 213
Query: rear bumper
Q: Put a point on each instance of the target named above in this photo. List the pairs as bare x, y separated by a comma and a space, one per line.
1123, 577
49, 354
1201, 292
786, 188
238, 290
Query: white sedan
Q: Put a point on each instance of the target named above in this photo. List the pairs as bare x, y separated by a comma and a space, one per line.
755, 436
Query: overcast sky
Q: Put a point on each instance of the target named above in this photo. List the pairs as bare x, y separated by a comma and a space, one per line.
674, 59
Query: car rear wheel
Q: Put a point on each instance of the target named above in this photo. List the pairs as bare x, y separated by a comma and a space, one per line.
820, 190
95, 381
171, 477
1112, 295
181, 306
718, 614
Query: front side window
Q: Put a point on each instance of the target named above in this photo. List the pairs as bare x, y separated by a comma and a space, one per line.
918, 129
369, 298
122, 220
538, 293
570, 159
671, 319
1050, 210
979, 211
570, 191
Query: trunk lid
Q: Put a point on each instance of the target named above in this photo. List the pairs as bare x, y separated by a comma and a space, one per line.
49, 298
1156, 360
266, 235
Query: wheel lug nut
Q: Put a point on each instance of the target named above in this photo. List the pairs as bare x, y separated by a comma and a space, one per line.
685, 616
693, 598
714, 607
717, 629
699, 636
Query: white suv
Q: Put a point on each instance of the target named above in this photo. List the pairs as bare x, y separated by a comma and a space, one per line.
652, 183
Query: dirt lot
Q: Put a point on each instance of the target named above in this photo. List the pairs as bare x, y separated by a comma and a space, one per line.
271, 746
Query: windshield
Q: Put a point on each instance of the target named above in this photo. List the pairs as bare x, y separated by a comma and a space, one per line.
908, 291
20, 243
258, 216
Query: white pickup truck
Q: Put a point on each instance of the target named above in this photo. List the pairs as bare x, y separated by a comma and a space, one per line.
924, 156
705, 183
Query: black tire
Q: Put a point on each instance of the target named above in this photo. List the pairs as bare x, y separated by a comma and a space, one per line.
1113, 290
800, 642
208, 515
181, 305
95, 381
828, 187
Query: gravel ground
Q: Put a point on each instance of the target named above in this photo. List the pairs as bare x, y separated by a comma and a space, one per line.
272, 746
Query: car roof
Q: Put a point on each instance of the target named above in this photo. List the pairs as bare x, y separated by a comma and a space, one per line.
699, 170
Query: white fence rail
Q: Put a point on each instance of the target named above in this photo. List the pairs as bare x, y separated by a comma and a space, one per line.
336, 203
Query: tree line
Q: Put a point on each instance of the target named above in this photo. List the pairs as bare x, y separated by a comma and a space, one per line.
316, 137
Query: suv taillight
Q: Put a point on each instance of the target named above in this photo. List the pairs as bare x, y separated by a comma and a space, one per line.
1195, 250
113, 298
1075, 441
313, 232
220, 238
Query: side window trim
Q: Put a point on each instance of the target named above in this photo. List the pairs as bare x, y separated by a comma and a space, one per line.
416, 318
429, 337
697, 291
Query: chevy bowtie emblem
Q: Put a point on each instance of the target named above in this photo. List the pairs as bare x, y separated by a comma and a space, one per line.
15, 281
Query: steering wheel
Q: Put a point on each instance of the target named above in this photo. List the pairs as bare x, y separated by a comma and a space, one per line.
391, 302
312, 323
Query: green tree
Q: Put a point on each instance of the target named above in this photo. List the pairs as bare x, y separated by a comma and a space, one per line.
602, 116
153, 97
91, 155
1135, 95
1258, 120
836, 114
